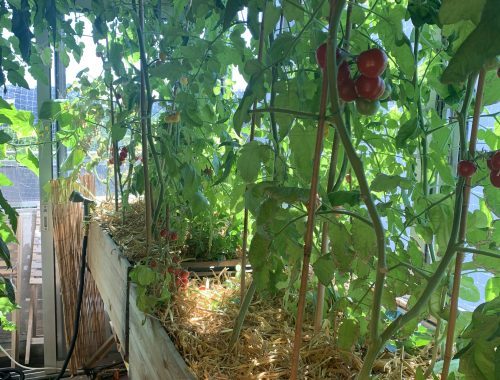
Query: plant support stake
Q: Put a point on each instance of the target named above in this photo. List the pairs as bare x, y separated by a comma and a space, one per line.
311, 211
450, 334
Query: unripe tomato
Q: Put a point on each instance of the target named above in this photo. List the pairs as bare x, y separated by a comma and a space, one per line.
387, 92
495, 178
372, 62
347, 90
367, 107
466, 168
370, 88
495, 161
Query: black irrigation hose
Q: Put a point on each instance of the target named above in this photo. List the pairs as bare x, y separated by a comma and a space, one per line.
78, 308
11, 373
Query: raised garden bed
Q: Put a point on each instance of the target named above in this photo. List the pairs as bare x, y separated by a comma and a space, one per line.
143, 342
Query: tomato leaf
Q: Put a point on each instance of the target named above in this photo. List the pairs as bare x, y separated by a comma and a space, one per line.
324, 268
468, 290
481, 45
339, 198
453, 11
492, 289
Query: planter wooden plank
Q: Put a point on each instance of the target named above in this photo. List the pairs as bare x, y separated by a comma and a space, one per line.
152, 355
109, 269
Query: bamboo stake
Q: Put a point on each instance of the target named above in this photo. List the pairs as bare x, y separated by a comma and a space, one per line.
311, 211
463, 227
245, 215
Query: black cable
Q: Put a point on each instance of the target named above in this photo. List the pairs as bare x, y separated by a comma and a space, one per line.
7, 374
78, 308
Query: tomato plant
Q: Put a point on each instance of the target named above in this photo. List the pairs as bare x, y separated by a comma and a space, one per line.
210, 160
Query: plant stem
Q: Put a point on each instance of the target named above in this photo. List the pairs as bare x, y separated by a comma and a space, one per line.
357, 167
335, 12
320, 295
432, 284
463, 228
245, 304
245, 214
478, 252
144, 131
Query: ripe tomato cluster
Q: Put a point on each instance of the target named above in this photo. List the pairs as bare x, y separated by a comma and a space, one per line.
122, 155
368, 87
181, 277
466, 168
493, 164
170, 235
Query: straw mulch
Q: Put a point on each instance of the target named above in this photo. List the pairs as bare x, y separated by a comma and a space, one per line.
200, 323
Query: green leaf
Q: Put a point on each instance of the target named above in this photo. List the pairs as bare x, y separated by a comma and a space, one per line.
258, 256
364, 239
50, 110
115, 57
143, 275
340, 198
232, 9
281, 47
21, 22
491, 89
348, 334
4, 180
468, 290
409, 130
480, 46
384, 182
27, 158
4, 253
492, 289
11, 212
424, 12
199, 203
453, 11
4, 137
302, 139
74, 159
252, 155
17, 79
288, 194
492, 198
118, 132
324, 268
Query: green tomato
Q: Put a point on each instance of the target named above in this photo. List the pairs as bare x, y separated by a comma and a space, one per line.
367, 107
387, 92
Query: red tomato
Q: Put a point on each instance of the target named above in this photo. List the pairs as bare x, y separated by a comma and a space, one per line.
495, 178
372, 63
495, 161
344, 73
163, 232
347, 90
370, 88
466, 168
321, 55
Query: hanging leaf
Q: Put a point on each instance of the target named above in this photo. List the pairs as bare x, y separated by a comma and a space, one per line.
340, 198
324, 268
11, 212
409, 130
27, 158
453, 11
348, 334
252, 156
492, 289
21, 21
4, 253
424, 12
384, 182
231, 11
4, 137
468, 290
480, 46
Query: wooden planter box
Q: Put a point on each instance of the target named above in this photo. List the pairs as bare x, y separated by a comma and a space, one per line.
143, 342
